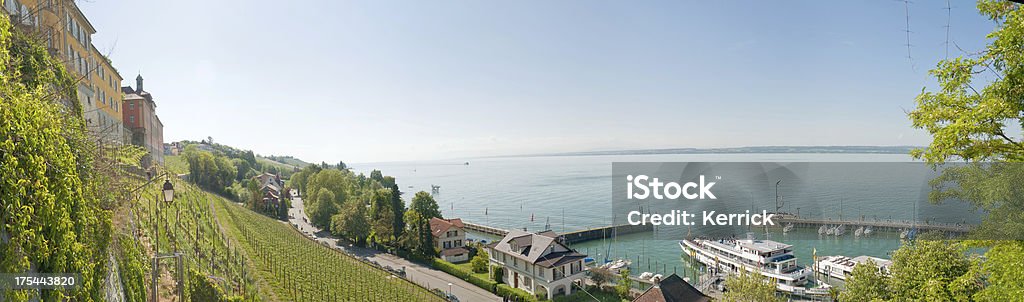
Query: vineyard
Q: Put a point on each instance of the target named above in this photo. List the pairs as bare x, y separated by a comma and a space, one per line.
190, 226
299, 269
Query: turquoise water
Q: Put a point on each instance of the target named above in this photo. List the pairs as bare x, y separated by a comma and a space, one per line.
566, 193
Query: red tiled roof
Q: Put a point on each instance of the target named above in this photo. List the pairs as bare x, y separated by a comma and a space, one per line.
439, 226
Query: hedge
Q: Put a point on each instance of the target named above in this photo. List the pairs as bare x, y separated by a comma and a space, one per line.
503, 290
482, 283
449, 268
456, 271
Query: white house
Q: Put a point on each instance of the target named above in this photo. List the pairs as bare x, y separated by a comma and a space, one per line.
538, 263
450, 239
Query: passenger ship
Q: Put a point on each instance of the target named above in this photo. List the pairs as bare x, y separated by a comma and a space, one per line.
774, 260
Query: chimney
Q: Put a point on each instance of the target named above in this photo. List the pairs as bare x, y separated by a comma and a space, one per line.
138, 83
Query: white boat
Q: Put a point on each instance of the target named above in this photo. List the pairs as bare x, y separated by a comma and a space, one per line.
830, 230
859, 232
839, 230
841, 267
903, 234
774, 260
868, 231
646, 275
787, 228
619, 264
656, 277
822, 230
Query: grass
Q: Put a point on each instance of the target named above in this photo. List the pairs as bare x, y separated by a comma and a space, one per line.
467, 267
175, 164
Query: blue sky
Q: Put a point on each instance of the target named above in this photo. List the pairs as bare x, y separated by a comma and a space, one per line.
367, 81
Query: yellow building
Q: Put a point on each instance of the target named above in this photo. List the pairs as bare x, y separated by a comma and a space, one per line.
68, 36
106, 86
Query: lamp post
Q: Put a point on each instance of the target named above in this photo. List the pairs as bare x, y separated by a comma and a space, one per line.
168, 197
449, 289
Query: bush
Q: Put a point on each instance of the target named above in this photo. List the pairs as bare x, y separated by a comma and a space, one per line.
514, 294
497, 273
203, 289
479, 262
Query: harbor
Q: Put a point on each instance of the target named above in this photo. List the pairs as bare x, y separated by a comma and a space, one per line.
573, 237
565, 194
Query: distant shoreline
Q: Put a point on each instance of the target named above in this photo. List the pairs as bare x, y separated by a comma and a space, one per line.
905, 150
736, 150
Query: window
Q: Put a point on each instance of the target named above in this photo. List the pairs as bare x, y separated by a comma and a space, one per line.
131, 105
132, 119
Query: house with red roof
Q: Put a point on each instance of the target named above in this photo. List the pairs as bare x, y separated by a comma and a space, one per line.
450, 238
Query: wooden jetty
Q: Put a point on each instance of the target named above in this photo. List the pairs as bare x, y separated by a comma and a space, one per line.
574, 236
878, 225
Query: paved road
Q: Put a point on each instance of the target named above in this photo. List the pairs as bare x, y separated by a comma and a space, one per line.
419, 274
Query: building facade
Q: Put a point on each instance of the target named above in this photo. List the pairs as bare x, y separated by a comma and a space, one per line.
68, 37
108, 121
538, 263
139, 115
271, 190
450, 239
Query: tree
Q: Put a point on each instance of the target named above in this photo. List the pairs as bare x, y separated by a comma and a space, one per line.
969, 123
425, 205
331, 180
351, 223
323, 209
479, 262
932, 271
418, 238
625, 285
397, 204
972, 124
243, 167
865, 284
381, 216
211, 171
600, 276
749, 287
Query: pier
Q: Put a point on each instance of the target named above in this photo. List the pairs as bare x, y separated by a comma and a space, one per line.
880, 225
574, 236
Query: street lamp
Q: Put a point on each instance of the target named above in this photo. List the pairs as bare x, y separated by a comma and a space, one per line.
449, 289
168, 196
168, 191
